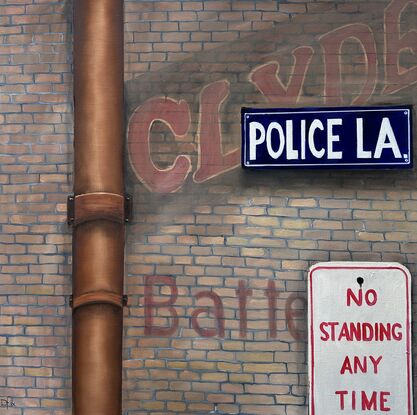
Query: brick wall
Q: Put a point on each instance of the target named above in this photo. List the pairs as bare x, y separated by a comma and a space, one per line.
35, 155
223, 251
226, 250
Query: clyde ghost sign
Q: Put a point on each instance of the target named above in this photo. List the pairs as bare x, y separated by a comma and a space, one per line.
361, 137
359, 322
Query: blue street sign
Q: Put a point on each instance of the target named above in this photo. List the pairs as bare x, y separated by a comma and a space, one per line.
348, 137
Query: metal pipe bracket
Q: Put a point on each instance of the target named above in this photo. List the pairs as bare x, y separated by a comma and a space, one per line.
99, 205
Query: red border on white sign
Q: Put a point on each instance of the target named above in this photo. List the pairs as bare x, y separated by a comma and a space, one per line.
399, 267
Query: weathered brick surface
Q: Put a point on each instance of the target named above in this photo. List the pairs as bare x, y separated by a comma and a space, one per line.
248, 238
35, 140
230, 249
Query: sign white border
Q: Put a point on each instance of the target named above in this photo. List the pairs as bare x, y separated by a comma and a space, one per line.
357, 266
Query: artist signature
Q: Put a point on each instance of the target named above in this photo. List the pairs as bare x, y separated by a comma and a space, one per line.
7, 402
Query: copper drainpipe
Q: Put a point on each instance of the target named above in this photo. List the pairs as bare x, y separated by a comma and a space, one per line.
97, 208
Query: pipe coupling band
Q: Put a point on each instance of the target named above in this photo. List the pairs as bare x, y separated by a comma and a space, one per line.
98, 205
98, 297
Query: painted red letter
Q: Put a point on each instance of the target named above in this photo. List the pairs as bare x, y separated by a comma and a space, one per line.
211, 160
292, 314
266, 79
397, 77
383, 400
176, 115
342, 398
217, 311
369, 403
243, 293
332, 43
272, 293
150, 304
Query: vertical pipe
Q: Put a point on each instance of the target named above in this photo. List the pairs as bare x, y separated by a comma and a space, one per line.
98, 243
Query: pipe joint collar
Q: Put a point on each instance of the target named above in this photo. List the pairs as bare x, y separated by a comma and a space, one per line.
98, 297
98, 205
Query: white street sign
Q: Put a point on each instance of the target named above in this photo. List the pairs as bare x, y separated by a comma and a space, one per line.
359, 322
